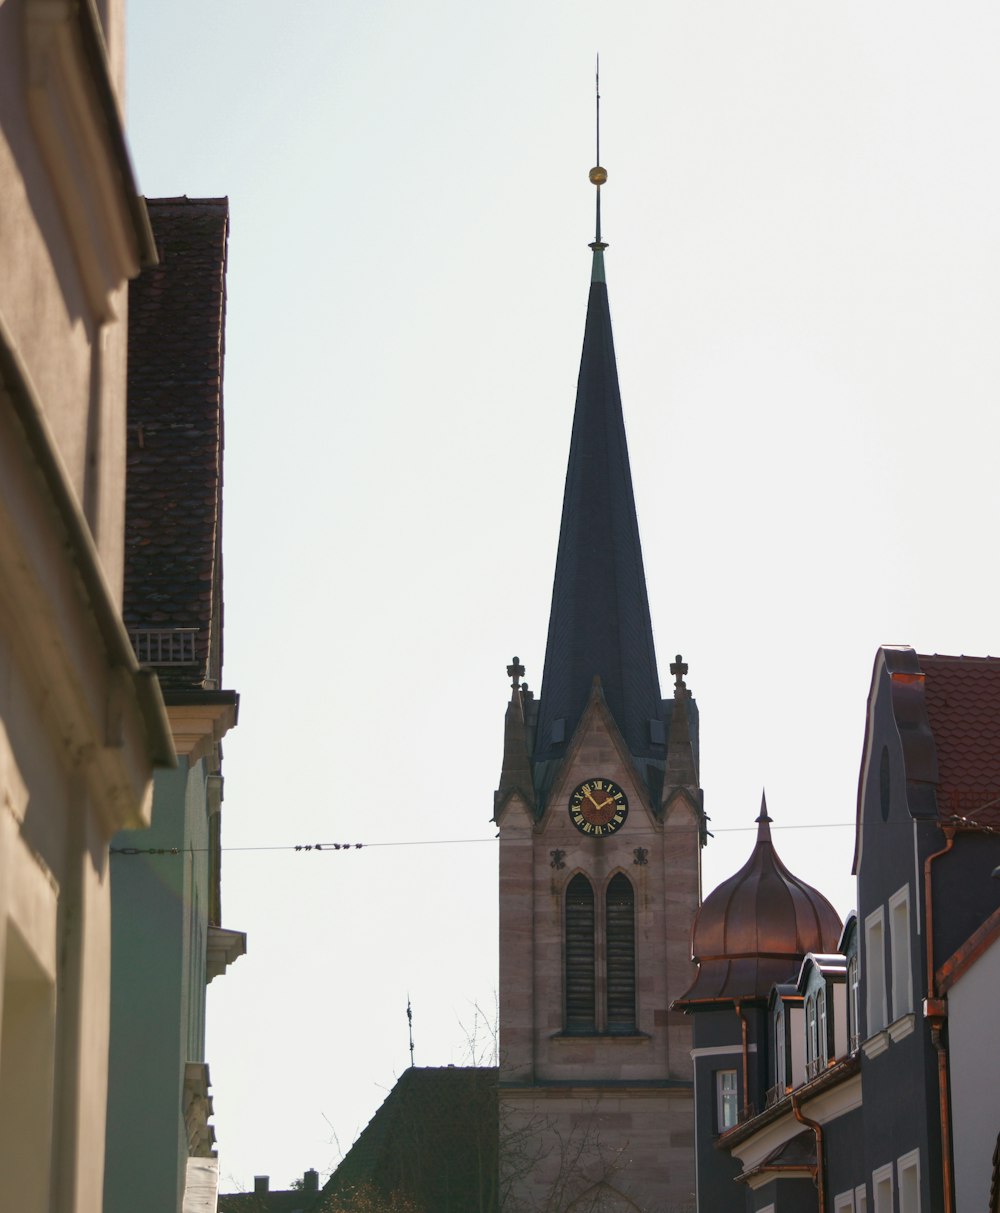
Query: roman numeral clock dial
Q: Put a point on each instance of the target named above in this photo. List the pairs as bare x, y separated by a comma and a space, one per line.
598, 807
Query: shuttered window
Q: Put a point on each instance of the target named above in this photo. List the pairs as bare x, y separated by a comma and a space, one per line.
580, 1001
620, 938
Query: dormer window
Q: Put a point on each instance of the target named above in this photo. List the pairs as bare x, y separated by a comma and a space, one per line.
822, 983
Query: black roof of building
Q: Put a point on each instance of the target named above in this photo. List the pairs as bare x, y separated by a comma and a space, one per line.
433, 1140
599, 622
173, 511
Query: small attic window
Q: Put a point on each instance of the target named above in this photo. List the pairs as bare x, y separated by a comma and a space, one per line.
657, 732
164, 646
559, 730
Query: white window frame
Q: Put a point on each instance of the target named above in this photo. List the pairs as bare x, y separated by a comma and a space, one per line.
899, 949
854, 1002
781, 1061
822, 1040
876, 999
812, 1036
843, 1202
724, 1096
884, 1175
861, 1199
906, 1166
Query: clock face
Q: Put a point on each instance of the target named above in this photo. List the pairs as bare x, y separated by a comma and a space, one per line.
598, 807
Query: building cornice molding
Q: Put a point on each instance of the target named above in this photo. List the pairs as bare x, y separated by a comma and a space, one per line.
107, 712
197, 723
225, 947
568, 1088
830, 1095
75, 113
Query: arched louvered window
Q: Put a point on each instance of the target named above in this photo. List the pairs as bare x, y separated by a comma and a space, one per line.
580, 986
620, 940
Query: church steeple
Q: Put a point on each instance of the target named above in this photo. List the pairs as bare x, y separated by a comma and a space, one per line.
600, 859
599, 622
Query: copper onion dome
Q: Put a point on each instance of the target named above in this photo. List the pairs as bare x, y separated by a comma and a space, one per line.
752, 932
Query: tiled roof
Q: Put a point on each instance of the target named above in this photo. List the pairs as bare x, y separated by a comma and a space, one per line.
599, 622
291, 1200
962, 695
173, 531
434, 1139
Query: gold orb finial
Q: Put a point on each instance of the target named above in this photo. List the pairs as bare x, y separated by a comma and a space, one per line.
598, 175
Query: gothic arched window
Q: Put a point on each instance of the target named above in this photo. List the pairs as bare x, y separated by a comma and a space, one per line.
620, 945
580, 985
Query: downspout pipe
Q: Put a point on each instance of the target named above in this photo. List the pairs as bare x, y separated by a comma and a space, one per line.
817, 1129
936, 1014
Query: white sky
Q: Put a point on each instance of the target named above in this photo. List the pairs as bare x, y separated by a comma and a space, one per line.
803, 215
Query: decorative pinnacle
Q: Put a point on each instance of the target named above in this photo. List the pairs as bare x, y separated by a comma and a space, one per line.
515, 672
679, 668
598, 175
763, 820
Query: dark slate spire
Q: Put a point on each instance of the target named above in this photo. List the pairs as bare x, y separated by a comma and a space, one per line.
599, 621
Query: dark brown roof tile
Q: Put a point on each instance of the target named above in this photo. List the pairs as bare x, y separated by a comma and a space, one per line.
963, 706
173, 526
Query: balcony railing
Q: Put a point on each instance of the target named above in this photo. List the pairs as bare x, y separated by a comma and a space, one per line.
164, 646
814, 1067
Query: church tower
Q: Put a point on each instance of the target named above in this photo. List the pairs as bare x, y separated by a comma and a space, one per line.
600, 821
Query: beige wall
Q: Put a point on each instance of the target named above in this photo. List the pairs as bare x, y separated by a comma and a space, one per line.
974, 1074
67, 251
78, 724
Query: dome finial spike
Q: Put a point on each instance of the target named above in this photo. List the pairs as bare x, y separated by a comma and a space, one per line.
598, 176
763, 820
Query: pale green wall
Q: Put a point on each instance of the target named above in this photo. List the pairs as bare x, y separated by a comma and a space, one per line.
159, 909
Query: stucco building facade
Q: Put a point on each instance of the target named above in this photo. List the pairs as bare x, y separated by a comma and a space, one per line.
81, 726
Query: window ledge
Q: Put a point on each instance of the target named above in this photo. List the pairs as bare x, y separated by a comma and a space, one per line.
603, 1037
876, 1044
903, 1026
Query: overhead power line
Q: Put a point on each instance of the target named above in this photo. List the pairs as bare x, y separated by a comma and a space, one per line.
967, 822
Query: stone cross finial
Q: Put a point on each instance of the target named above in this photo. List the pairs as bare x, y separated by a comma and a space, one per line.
515, 672
678, 668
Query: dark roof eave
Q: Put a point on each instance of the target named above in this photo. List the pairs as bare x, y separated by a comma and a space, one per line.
184, 698
839, 1072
